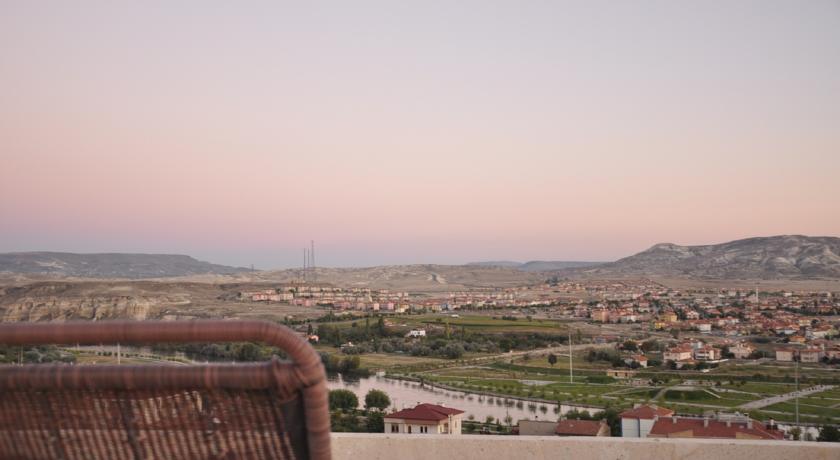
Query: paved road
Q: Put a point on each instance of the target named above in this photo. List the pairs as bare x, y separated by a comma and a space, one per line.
785, 397
560, 351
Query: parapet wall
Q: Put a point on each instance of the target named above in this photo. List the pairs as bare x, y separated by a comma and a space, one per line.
369, 446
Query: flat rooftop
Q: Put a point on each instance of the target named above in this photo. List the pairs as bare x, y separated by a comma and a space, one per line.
373, 446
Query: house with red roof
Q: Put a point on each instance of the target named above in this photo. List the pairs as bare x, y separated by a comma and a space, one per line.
785, 354
678, 353
741, 350
640, 359
563, 428
425, 419
637, 422
582, 428
811, 354
697, 427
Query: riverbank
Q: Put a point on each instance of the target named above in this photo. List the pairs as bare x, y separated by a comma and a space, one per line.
579, 407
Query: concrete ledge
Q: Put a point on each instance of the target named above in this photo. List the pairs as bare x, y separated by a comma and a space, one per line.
369, 446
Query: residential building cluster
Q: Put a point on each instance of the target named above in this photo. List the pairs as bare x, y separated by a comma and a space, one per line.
658, 422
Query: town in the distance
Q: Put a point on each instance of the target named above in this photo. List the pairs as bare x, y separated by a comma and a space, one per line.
586, 350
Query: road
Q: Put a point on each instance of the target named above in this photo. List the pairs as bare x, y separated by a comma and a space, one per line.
785, 397
560, 351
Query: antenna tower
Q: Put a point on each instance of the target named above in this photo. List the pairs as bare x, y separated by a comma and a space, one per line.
312, 261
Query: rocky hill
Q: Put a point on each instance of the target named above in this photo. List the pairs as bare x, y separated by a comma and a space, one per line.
535, 265
133, 266
775, 257
415, 278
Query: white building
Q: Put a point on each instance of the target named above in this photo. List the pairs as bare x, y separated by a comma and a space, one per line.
741, 350
425, 419
637, 422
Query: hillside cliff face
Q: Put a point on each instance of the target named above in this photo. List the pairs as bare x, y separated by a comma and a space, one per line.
79, 301
133, 266
776, 257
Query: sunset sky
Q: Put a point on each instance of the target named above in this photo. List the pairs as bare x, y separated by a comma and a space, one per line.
415, 132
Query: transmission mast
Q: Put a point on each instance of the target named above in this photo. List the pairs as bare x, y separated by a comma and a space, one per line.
312, 264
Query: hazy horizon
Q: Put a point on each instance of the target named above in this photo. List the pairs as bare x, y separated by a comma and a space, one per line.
456, 263
415, 133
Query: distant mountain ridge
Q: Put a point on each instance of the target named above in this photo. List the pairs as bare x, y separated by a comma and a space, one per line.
774, 257
536, 265
109, 265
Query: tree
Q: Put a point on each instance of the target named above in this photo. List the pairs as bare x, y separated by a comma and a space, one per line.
613, 420
347, 423
829, 433
505, 345
377, 399
453, 351
380, 326
490, 419
630, 345
375, 422
552, 359
249, 352
343, 400
650, 345
796, 432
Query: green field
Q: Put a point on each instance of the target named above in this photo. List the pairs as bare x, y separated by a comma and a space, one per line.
472, 323
482, 323
383, 361
805, 408
762, 388
523, 375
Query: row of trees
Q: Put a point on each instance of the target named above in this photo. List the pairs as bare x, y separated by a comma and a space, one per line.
240, 351
346, 400
35, 355
347, 365
345, 416
371, 335
356, 333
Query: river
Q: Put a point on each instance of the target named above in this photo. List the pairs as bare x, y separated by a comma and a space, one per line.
405, 394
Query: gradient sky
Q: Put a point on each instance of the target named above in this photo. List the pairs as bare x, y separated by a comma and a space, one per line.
415, 132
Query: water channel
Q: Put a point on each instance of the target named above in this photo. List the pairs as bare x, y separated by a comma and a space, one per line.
405, 394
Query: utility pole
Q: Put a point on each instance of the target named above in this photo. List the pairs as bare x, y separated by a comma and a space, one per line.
796, 373
571, 372
119, 354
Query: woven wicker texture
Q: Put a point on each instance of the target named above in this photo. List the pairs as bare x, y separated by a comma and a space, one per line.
230, 411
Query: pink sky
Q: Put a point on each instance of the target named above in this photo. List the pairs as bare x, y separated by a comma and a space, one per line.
430, 133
